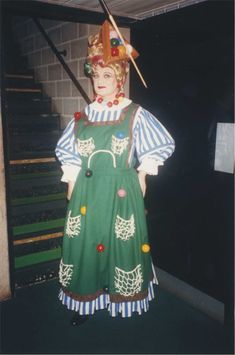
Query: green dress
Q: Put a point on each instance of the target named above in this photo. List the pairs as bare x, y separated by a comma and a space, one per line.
106, 261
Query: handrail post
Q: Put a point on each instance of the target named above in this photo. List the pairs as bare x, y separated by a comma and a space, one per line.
59, 57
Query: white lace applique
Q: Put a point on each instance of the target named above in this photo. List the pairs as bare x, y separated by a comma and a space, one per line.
65, 273
128, 283
119, 144
73, 225
124, 228
85, 147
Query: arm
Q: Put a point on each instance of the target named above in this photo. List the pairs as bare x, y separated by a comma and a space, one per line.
67, 154
153, 144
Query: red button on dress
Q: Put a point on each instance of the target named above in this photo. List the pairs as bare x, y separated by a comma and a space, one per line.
100, 248
77, 115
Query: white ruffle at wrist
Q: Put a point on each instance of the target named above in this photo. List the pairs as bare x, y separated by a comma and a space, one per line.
150, 166
70, 172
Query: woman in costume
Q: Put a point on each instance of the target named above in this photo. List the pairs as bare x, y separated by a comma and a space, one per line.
106, 261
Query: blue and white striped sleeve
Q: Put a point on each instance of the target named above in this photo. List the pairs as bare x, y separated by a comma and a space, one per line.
67, 154
153, 143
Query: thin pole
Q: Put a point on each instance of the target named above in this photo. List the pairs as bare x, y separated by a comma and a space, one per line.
108, 13
65, 66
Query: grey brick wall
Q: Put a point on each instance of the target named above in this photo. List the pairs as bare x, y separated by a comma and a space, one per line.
68, 36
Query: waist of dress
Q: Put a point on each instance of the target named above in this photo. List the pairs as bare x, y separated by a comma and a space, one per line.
109, 171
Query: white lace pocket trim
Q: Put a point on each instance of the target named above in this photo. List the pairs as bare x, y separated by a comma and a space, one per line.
128, 283
119, 145
85, 147
65, 273
125, 228
73, 225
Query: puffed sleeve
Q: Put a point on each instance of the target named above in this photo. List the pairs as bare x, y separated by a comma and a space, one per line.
153, 143
67, 154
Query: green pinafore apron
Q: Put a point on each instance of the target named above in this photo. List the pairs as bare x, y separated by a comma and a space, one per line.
105, 245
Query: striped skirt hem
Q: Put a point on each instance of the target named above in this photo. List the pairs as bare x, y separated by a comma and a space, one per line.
103, 302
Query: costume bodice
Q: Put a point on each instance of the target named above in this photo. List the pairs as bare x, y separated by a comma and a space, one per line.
105, 145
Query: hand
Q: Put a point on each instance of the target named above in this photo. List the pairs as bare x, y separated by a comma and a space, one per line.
142, 180
70, 189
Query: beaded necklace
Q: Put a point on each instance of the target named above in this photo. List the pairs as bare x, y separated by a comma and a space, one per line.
118, 98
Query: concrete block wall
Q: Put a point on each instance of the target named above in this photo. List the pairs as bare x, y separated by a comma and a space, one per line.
68, 36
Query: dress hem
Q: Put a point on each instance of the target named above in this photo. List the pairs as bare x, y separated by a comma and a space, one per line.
126, 309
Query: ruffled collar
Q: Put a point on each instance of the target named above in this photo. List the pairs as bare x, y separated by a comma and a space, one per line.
99, 107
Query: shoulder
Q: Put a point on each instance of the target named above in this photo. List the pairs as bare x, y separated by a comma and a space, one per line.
70, 125
141, 113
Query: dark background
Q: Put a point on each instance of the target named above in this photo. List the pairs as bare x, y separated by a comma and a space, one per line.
186, 58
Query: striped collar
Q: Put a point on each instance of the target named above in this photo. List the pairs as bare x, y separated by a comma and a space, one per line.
98, 113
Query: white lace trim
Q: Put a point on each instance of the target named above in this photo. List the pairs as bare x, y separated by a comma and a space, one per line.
125, 228
73, 225
85, 147
150, 166
65, 273
128, 283
119, 144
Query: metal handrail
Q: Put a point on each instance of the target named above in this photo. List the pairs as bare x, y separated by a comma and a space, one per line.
59, 57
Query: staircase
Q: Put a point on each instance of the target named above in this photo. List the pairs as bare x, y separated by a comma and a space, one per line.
37, 197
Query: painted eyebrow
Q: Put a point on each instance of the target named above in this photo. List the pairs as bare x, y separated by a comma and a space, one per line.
108, 72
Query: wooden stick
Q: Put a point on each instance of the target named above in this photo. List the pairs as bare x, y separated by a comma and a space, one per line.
108, 13
129, 54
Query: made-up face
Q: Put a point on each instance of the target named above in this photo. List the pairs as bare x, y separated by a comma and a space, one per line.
105, 82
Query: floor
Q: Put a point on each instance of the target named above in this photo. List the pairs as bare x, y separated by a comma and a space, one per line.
35, 322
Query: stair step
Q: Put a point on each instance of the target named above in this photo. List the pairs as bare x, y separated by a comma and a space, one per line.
37, 211
20, 89
39, 118
23, 94
29, 183
28, 229
24, 150
32, 106
38, 199
19, 76
17, 157
35, 176
37, 258
20, 193
29, 142
38, 214
41, 272
36, 188
19, 81
37, 238
35, 161
40, 123
34, 168
32, 137
39, 246
29, 73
